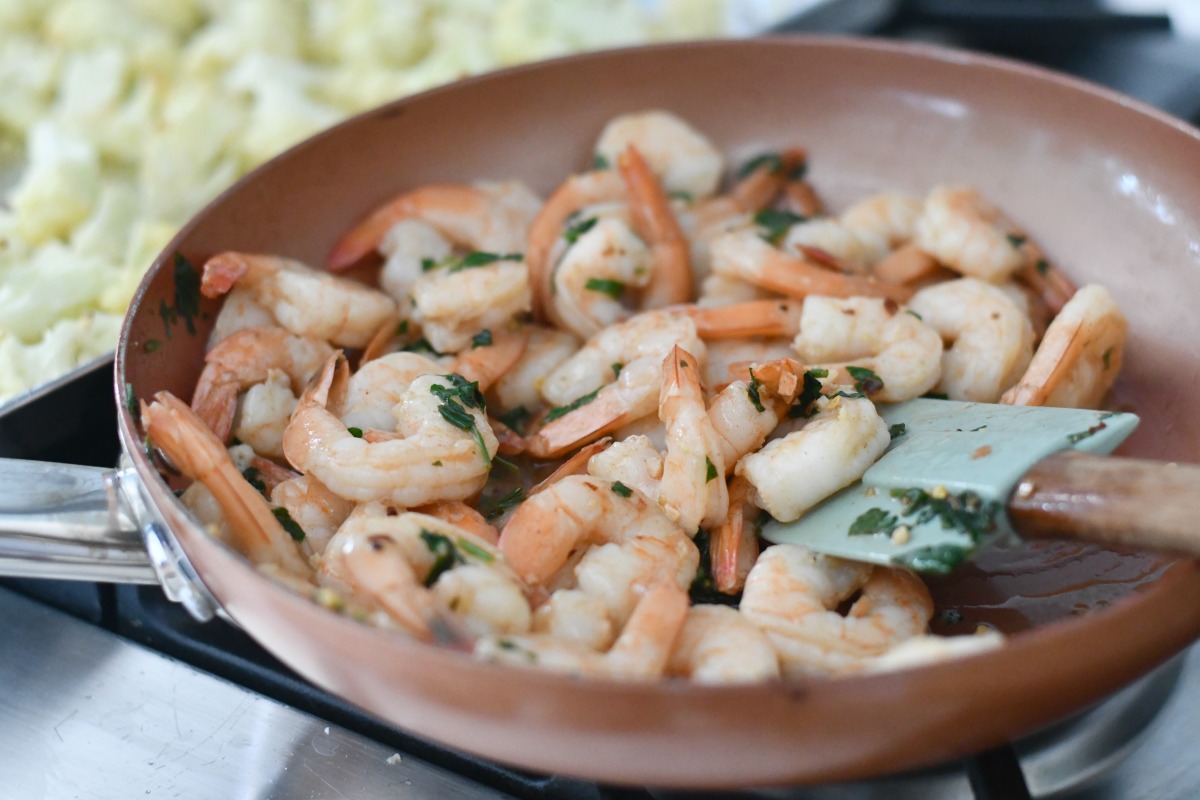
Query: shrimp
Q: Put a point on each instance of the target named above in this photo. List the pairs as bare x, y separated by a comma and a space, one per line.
632, 461
592, 276
375, 389
318, 511
901, 351
654, 221
692, 490
488, 217
733, 547
679, 155
792, 595
247, 358
833, 449
726, 357
718, 645
632, 353
461, 515
640, 652
452, 305
263, 413
196, 452
745, 256
411, 247
574, 512
301, 299
854, 250
429, 459
486, 363
421, 572
1079, 356
519, 386
990, 339
889, 217
718, 290
775, 317
968, 234
577, 192
239, 310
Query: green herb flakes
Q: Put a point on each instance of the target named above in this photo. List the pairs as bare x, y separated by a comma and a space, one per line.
290, 525
775, 224
873, 520
938, 560
616, 368
613, 289
599, 162
516, 419
506, 503
576, 229
445, 555
1016, 239
482, 339
897, 430
752, 391
865, 380
151, 345
710, 470
355, 432
482, 259
562, 411
622, 489
252, 476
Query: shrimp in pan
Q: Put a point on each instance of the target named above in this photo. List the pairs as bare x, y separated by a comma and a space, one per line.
550, 432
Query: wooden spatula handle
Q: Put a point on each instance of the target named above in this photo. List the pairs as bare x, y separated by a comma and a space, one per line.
1106, 500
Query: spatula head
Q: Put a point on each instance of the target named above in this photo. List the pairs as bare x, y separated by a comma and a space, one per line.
939, 490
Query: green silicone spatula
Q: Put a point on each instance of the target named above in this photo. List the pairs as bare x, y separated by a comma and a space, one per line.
958, 476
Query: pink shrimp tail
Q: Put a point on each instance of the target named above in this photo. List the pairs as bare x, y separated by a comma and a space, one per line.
221, 272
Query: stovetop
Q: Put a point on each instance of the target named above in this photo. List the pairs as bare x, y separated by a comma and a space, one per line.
115, 692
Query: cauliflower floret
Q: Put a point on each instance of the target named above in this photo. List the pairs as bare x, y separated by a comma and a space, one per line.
60, 186
52, 283
28, 72
65, 345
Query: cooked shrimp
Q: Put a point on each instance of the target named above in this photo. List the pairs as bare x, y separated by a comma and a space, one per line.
679, 155
792, 595
487, 363
776, 317
239, 310
452, 306
420, 569
375, 389
671, 274
890, 217
733, 546
747, 257
692, 491
193, 449
574, 512
990, 339
1079, 356
411, 248
854, 250
487, 217
833, 449
640, 652
301, 299
727, 356
968, 234
461, 515
622, 366
869, 333
595, 273
263, 413
429, 459
718, 290
719, 645
318, 511
247, 358
520, 385
577, 192
632, 461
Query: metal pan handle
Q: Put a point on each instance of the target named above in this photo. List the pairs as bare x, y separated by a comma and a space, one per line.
69, 522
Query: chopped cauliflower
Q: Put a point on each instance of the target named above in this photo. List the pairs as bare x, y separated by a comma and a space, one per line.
129, 115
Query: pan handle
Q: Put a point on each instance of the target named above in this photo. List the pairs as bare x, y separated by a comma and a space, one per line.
69, 522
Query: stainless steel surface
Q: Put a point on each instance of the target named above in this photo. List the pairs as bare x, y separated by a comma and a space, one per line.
72, 522
84, 713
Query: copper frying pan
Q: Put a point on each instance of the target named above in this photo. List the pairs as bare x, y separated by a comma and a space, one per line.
1107, 186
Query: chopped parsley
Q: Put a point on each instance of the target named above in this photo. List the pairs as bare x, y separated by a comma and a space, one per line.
622, 489
506, 503
710, 470
704, 586
187, 292
772, 161
865, 380
290, 525
402, 328
475, 551
680, 194
809, 393
1016, 239
1106, 358
915, 314
936, 396
1075, 438
775, 223
421, 345
599, 162
445, 555
965, 511
562, 411
897, 430
613, 289
848, 395
251, 474
456, 399
131, 403
355, 432
516, 419
151, 345
873, 520
940, 559
1042, 266
616, 368
576, 229
429, 264
482, 339
752, 391
481, 259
